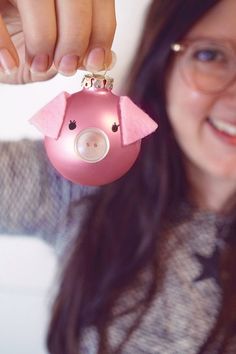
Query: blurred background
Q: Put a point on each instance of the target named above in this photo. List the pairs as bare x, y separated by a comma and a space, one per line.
28, 266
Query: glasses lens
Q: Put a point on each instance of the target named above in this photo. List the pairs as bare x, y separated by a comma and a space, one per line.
209, 66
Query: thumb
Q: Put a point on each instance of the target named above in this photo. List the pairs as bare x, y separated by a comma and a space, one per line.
9, 60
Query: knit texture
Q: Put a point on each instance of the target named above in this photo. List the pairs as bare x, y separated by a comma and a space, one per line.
181, 316
36, 200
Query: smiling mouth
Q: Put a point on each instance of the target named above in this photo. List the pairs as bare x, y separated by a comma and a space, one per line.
226, 128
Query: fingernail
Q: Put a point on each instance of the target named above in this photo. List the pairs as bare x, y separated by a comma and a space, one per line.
39, 63
95, 60
113, 61
7, 61
68, 65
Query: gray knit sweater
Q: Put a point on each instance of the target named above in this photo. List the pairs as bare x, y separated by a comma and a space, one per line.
35, 200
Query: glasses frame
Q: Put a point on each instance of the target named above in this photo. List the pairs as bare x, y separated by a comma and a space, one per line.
180, 47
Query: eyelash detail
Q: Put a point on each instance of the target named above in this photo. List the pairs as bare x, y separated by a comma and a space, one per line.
72, 125
115, 127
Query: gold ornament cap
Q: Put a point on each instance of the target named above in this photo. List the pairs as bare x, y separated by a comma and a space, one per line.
97, 81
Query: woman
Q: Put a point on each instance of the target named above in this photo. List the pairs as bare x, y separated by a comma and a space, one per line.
152, 270
152, 267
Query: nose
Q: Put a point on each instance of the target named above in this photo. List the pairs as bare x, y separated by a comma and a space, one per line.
226, 100
92, 145
230, 90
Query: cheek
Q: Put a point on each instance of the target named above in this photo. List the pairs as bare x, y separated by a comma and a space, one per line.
187, 109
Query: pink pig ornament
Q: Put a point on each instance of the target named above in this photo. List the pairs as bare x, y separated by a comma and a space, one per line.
93, 136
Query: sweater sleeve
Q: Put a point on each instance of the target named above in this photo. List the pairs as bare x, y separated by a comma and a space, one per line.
35, 199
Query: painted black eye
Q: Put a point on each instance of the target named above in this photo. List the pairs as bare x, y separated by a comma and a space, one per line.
72, 125
115, 127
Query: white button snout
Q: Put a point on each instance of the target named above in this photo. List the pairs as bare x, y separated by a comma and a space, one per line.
92, 145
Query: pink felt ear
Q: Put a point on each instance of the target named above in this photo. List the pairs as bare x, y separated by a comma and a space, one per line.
135, 123
50, 118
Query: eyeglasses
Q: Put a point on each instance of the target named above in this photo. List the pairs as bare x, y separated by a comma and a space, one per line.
207, 65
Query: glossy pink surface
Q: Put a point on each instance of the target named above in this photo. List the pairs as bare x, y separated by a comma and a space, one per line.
87, 150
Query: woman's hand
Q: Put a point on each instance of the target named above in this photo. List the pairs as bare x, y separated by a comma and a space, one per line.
39, 38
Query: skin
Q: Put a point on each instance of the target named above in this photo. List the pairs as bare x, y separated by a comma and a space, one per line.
210, 161
54, 29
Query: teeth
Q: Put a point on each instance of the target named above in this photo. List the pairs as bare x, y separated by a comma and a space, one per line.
224, 127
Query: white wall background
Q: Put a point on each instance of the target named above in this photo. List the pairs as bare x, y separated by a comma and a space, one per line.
28, 266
